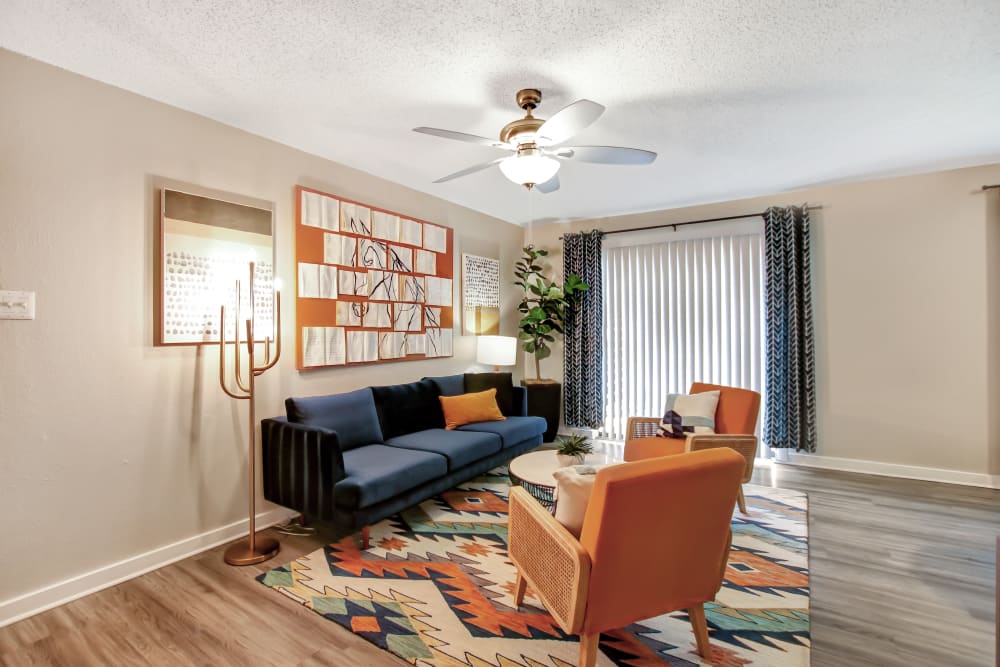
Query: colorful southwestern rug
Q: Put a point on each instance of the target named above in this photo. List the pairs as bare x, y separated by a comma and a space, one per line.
436, 589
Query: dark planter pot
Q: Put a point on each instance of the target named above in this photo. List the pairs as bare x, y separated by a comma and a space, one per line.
544, 400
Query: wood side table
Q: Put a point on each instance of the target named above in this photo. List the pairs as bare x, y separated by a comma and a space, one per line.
545, 400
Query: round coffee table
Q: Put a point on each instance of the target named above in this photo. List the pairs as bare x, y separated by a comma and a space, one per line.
533, 472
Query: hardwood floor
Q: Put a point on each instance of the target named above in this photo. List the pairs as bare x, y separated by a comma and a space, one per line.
902, 574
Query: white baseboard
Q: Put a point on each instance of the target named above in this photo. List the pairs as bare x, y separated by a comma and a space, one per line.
61, 592
893, 470
944, 475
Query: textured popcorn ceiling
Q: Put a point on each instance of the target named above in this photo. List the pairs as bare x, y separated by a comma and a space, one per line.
738, 97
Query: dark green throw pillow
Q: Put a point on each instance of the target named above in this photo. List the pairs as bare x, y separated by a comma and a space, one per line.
408, 408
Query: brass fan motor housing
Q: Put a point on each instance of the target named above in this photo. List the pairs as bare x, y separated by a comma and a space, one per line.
528, 125
527, 99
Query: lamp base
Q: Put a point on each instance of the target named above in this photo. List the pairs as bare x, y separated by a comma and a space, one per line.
240, 553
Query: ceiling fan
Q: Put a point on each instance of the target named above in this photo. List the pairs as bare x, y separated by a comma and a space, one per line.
535, 144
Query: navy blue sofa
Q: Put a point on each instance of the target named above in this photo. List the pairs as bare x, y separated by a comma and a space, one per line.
359, 457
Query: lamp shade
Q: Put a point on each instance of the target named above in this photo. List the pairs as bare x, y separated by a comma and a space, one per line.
496, 350
529, 166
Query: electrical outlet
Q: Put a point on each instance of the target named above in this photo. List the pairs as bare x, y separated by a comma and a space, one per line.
17, 305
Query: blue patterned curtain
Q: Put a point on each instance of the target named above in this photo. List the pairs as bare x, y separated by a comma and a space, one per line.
790, 369
583, 389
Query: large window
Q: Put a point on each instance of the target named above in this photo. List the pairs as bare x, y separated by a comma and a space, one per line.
680, 307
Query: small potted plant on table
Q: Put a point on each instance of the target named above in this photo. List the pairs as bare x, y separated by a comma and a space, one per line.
573, 449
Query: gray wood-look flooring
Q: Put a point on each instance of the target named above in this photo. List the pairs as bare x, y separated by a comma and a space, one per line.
903, 573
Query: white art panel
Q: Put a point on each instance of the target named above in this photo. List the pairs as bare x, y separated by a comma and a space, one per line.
432, 317
435, 238
407, 317
323, 346
373, 254
438, 291
400, 259
392, 345
362, 346
438, 342
320, 211
416, 343
383, 286
315, 281
353, 283
313, 346
308, 281
426, 262
411, 232
327, 282
385, 226
378, 316
336, 346
349, 313
355, 218
340, 249
411, 289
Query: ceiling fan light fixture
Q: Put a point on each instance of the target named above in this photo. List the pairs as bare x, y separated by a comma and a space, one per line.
529, 167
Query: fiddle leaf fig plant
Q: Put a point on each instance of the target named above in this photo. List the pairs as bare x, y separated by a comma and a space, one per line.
544, 305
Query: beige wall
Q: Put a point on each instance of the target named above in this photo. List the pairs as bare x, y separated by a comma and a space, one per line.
110, 447
906, 287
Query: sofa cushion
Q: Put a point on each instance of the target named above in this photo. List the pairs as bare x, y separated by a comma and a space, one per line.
512, 430
688, 413
378, 472
450, 385
502, 382
574, 486
405, 408
470, 408
460, 447
352, 415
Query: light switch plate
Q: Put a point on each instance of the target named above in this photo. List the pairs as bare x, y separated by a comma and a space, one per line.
17, 305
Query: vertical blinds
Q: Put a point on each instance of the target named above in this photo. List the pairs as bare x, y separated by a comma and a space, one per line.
678, 312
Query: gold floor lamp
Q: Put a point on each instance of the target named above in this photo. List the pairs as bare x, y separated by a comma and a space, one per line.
254, 549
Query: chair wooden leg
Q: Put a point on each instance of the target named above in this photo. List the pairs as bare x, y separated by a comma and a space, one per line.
700, 627
366, 533
741, 501
588, 649
519, 587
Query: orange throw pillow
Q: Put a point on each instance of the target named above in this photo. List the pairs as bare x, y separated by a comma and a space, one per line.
470, 408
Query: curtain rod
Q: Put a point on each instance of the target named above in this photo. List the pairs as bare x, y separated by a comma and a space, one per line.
992, 187
675, 225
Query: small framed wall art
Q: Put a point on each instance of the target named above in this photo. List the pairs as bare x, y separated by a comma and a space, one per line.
480, 295
205, 245
373, 285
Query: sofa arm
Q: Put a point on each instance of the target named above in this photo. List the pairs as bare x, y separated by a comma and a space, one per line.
300, 466
520, 402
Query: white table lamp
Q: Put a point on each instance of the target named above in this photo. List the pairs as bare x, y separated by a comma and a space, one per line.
496, 351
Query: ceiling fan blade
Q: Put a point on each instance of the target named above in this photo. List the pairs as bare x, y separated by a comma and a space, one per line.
548, 186
606, 154
470, 170
462, 136
568, 121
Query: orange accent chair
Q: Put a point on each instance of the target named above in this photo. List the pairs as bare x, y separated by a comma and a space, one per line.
735, 422
655, 539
